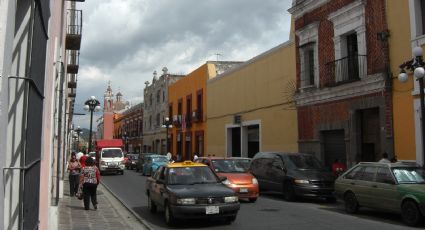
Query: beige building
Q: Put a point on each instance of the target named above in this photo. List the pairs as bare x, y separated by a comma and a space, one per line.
250, 108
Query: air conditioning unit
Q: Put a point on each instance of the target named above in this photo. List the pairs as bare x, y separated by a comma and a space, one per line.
195, 116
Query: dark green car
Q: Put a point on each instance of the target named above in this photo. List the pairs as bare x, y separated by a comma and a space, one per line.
396, 187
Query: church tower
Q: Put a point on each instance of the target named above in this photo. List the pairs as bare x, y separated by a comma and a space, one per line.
108, 113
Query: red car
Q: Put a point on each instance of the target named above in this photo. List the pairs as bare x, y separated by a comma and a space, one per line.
235, 169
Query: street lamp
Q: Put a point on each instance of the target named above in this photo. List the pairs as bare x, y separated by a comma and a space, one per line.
416, 65
91, 105
78, 130
168, 124
125, 139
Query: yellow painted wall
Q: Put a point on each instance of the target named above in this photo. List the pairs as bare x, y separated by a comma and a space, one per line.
260, 89
400, 51
189, 85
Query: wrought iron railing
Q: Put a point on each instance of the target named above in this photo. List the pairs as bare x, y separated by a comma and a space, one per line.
345, 70
73, 61
74, 22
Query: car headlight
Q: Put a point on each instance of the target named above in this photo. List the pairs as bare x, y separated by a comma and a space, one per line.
186, 201
227, 182
301, 181
254, 181
230, 199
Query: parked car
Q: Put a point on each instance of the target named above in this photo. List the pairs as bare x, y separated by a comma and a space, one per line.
293, 174
188, 190
152, 163
396, 187
132, 161
141, 161
235, 169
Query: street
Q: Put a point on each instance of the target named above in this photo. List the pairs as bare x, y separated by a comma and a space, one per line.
270, 211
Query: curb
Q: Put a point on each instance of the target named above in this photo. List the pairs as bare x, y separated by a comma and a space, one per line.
139, 218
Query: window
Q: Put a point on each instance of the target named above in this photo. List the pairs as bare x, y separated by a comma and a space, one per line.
308, 54
158, 95
368, 173
163, 96
158, 119
150, 100
355, 174
150, 122
384, 176
309, 65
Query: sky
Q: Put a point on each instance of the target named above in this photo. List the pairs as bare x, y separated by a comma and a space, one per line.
125, 41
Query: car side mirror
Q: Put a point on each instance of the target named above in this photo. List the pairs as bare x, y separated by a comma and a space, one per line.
222, 178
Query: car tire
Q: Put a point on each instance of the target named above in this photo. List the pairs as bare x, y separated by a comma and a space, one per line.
169, 218
289, 192
151, 205
350, 203
252, 200
137, 169
411, 213
122, 172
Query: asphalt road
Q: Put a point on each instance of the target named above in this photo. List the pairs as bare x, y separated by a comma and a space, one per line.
269, 212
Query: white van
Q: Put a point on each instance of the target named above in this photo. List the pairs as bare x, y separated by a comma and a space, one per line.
111, 160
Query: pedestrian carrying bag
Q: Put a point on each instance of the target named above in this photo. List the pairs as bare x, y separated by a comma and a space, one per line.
79, 193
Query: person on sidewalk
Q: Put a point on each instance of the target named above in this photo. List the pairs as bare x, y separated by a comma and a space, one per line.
384, 158
74, 173
90, 178
83, 159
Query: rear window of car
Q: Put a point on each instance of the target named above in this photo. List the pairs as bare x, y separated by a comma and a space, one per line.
231, 165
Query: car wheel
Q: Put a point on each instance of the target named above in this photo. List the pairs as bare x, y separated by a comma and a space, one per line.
122, 172
169, 218
350, 202
410, 213
137, 169
288, 192
151, 205
252, 200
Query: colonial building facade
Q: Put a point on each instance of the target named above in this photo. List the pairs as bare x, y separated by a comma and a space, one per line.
155, 110
128, 125
250, 107
343, 96
187, 110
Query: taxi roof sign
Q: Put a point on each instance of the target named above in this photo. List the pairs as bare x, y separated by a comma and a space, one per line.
185, 164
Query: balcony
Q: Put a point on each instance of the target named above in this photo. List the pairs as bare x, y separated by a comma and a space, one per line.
345, 70
72, 83
76, 0
73, 60
73, 32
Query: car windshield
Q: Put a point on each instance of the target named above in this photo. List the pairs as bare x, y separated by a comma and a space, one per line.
191, 175
305, 162
133, 157
92, 154
409, 175
159, 159
231, 165
112, 153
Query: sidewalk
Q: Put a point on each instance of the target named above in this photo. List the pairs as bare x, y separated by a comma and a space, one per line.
110, 214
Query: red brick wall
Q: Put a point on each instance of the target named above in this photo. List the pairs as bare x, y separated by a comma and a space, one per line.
377, 59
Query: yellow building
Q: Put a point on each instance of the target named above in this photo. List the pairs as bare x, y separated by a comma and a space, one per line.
250, 108
406, 112
187, 110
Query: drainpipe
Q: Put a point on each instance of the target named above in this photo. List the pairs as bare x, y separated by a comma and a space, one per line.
58, 164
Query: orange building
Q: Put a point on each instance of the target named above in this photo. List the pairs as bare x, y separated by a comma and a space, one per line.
187, 110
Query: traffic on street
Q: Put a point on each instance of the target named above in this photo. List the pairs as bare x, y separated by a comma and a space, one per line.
271, 210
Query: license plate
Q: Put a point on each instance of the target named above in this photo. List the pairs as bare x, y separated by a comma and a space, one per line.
212, 210
243, 190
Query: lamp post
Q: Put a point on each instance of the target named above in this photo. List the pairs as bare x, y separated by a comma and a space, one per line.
78, 130
416, 65
91, 105
125, 139
168, 124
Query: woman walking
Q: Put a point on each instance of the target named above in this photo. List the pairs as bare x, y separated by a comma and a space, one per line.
90, 178
74, 172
